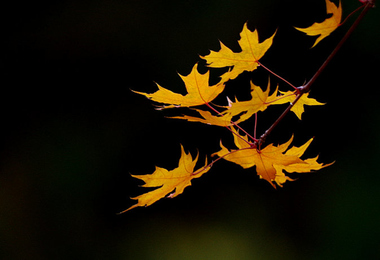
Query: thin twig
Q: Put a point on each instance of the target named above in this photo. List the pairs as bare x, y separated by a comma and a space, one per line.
236, 125
275, 74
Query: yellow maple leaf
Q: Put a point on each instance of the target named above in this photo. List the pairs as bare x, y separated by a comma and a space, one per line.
298, 108
271, 160
259, 101
207, 118
169, 183
198, 91
246, 60
326, 27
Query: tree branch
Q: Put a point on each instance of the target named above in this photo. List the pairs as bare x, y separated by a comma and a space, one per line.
306, 88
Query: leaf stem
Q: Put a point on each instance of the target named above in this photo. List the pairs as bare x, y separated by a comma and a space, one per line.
278, 120
275, 74
348, 16
254, 132
236, 125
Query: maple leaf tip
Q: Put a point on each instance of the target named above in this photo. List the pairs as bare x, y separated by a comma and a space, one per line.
128, 209
328, 164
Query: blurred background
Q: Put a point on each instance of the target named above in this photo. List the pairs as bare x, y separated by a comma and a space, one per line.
72, 133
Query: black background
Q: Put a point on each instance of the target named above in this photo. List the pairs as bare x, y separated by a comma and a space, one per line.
72, 132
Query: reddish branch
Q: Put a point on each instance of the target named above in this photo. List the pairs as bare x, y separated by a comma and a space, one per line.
306, 88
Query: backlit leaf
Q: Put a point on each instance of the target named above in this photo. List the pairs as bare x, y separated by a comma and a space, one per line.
259, 101
246, 60
326, 27
298, 108
198, 91
271, 160
168, 183
207, 118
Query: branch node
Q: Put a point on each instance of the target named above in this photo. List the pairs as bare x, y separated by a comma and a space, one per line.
302, 89
371, 3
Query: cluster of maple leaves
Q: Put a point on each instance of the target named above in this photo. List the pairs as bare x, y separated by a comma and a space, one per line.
271, 161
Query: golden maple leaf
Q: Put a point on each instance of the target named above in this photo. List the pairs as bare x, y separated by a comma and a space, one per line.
246, 60
169, 183
198, 91
326, 27
271, 160
259, 101
298, 108
207, 118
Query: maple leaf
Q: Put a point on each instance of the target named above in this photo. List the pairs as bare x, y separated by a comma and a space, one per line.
326, 27
298, 107
198, 91
259, 101
169, 182
246, 60
271, 160
208, 118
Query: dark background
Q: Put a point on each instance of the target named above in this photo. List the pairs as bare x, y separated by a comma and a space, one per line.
72, 132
